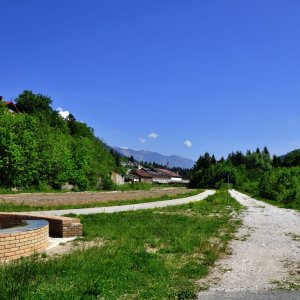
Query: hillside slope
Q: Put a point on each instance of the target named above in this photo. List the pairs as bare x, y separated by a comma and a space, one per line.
40, 149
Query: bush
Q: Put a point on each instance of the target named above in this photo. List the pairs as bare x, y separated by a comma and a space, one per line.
107, 184
134, 186
281, 184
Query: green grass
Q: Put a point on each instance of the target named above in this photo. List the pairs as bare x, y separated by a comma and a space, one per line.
145, 186
150, 254
133, 186
12, 207
124, 187
292, 205
137, 186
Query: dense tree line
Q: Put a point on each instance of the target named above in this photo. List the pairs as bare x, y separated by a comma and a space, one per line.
276, 178
40, 149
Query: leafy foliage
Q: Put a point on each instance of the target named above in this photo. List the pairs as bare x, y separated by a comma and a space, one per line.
40, 149
282, 184
31, 103
255, 172
292, 159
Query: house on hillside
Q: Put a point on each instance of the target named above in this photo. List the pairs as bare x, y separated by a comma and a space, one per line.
140, 175
153, 176
10, 105
157, 176
174, 177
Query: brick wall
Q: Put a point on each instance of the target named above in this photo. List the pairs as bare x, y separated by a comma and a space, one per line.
10, 222
58, 226
15, 245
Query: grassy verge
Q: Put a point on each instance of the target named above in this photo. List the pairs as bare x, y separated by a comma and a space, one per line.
291, 205
150, 254
145, 186
137, 186
11, 207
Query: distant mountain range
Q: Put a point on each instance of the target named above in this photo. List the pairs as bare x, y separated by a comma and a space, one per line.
148, 156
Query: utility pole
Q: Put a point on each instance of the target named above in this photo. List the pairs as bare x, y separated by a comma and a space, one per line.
227, 188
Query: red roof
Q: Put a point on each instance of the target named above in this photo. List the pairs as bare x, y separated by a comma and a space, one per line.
141, 173
155, 173
11, 106
169, 173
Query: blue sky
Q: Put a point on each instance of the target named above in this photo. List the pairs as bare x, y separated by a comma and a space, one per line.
224, 75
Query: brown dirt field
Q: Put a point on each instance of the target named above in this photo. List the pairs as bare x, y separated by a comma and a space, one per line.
74, 198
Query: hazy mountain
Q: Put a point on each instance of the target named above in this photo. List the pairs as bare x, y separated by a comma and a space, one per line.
148, 156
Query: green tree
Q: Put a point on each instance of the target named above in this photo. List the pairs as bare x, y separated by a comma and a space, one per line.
292, 159
31, 103
38, 148
236, 159
266, 151
276, 161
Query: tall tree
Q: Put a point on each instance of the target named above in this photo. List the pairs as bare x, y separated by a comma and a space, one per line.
31, 103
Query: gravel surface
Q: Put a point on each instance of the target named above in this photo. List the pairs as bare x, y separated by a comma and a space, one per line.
74, 198
265, 253
258, 295
120, 208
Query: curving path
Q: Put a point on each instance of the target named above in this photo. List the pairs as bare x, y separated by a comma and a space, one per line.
121, 208
267, 250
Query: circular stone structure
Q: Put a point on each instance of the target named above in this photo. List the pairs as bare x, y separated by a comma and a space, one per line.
22, 238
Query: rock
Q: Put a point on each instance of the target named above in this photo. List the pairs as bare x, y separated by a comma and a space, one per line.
67, 187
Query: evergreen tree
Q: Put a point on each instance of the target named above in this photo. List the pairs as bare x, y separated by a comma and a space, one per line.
266, 151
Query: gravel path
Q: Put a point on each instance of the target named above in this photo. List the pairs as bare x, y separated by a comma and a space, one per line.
267, 250
130, 207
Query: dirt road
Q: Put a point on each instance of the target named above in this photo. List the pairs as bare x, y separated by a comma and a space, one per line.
129, 207
265, 254
74, 198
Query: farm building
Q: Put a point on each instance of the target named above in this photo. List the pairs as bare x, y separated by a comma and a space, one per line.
174, 177
153, 176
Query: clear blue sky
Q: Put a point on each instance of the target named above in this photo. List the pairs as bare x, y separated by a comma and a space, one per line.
224, 75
